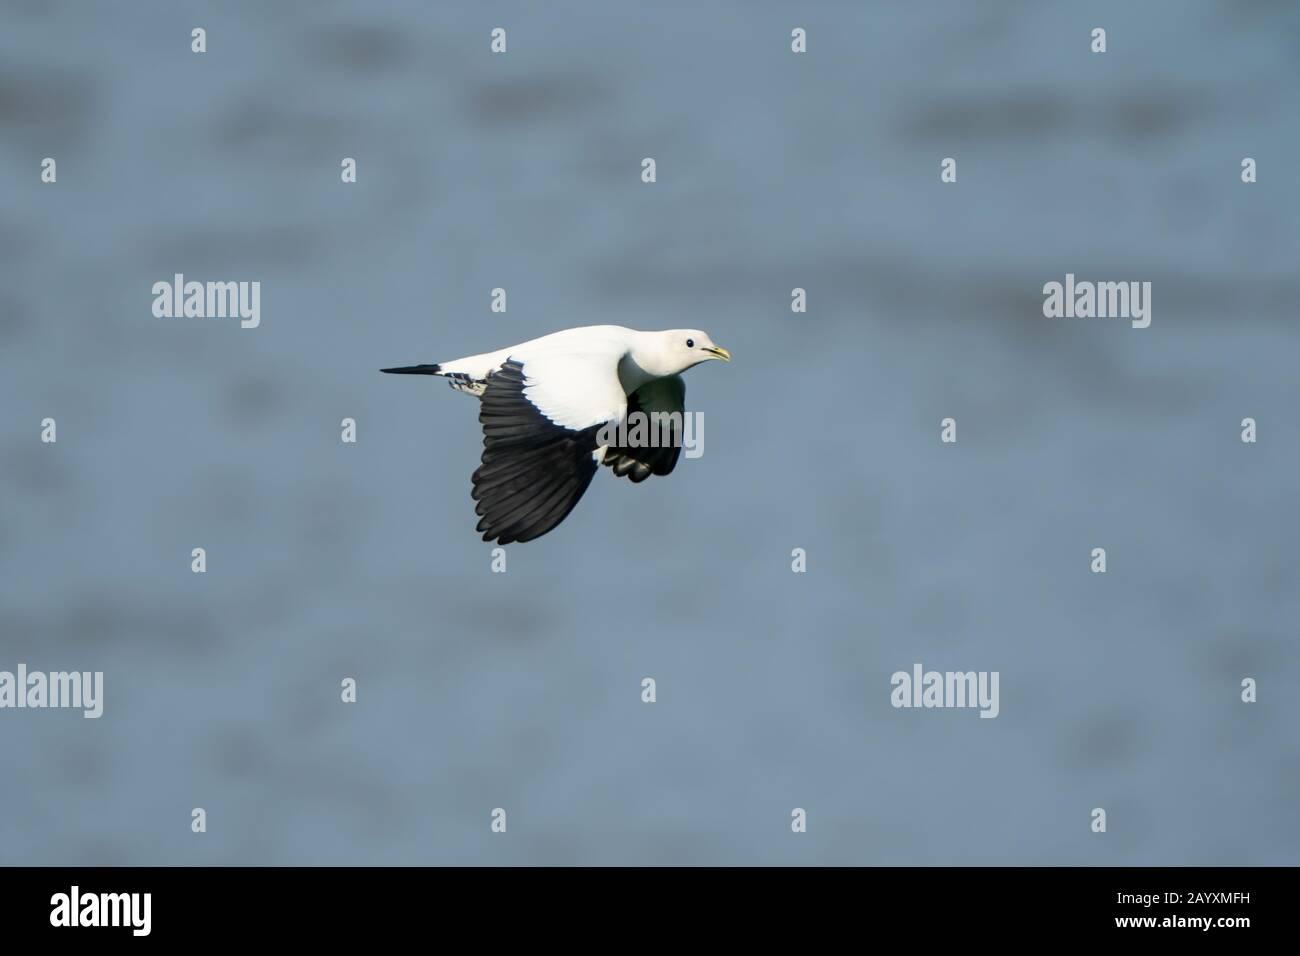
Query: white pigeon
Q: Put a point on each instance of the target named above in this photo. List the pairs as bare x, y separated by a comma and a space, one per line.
544, 405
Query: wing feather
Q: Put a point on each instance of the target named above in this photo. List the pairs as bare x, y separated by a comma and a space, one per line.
662, 396
540, 423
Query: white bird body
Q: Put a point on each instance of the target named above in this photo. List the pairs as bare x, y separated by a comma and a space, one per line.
591, 340
545, 401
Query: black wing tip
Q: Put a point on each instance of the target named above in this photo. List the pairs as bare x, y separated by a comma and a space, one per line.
413, 370
658, 462
532, 471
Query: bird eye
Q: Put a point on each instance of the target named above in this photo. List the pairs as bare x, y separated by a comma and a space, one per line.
690, 343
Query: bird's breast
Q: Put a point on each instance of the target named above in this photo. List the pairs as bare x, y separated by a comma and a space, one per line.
631, 375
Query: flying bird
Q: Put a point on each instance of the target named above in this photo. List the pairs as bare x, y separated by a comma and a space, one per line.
546, 405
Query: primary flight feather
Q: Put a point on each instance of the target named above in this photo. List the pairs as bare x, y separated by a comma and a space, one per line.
545, 406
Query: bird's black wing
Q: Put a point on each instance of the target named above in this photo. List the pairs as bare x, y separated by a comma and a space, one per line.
533, 470
662, 403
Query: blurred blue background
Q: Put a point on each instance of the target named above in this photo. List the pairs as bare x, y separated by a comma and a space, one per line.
522, 690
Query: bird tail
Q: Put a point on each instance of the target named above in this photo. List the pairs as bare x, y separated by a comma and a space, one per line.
459, 381
415, 370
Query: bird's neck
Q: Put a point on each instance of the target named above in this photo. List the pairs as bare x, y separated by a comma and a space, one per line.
632, 374
646, 361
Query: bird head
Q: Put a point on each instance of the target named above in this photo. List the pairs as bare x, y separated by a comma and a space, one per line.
676, 350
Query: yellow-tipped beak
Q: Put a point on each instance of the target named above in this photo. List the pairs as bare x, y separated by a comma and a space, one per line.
720, 352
